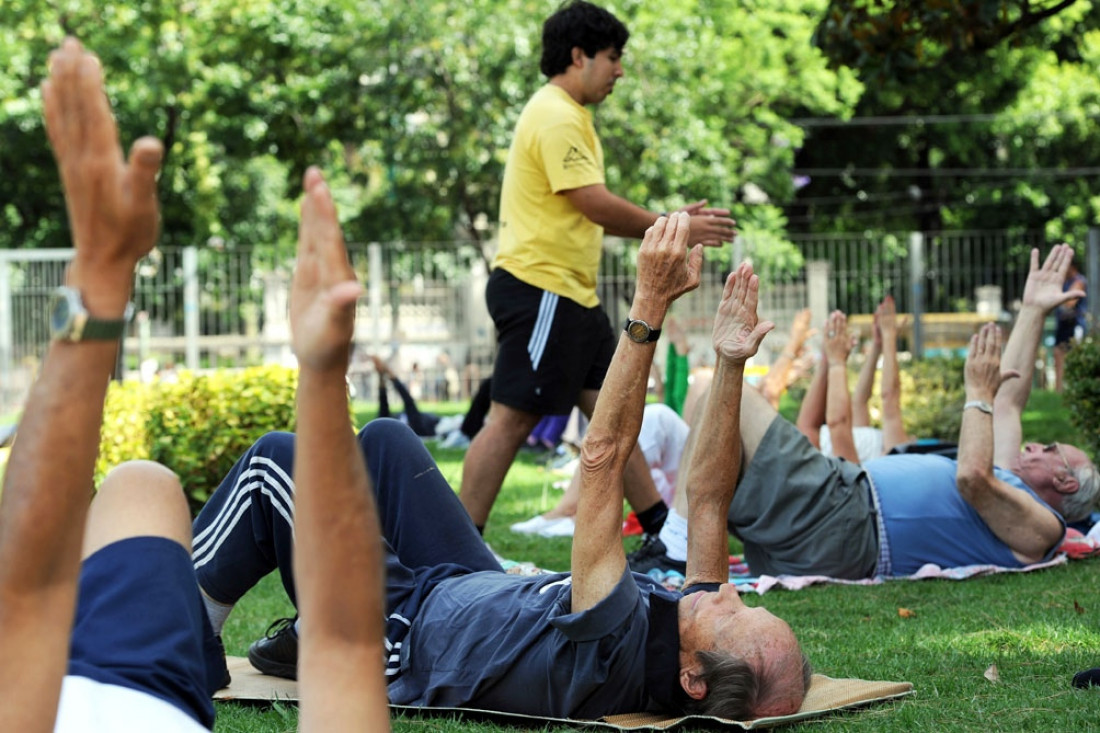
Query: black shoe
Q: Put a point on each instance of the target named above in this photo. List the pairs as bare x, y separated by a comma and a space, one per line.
1088, 678
653, 555
277, 653
220, 670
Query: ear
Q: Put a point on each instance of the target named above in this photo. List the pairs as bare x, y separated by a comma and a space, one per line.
1066, 483
693, 683
578, 57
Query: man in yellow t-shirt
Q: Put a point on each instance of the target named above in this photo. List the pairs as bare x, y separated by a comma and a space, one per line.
554, 340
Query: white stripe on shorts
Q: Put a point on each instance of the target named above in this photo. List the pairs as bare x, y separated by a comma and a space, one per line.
262, 474
541, 333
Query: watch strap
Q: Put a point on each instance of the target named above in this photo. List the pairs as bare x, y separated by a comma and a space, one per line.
980, 405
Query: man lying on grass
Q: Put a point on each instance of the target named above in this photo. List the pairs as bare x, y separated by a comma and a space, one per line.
138, 654
799, 512
599, 641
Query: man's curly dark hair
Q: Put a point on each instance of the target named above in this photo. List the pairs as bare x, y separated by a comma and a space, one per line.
578, 24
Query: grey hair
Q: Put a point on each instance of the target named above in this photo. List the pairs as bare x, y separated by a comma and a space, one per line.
735, 690
1081, 503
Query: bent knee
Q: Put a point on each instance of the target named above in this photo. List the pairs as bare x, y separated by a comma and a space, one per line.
138, 498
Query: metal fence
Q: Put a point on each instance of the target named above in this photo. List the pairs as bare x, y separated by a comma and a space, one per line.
203, 308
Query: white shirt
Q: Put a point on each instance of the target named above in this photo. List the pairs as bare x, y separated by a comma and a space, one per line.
88, 706
868, 442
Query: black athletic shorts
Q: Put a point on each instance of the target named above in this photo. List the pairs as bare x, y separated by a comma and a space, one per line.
549, 347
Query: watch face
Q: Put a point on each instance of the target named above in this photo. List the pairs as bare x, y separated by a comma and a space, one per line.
61, 314
638, 331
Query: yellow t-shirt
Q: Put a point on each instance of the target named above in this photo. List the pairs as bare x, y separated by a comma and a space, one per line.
544, 240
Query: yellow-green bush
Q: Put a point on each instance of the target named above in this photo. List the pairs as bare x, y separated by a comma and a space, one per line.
932, 397
197, 426
1082, 391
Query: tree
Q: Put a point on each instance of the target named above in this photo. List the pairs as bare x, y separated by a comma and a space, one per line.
976, 116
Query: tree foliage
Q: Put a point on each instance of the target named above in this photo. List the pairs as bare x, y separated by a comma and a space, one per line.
408, 106
975, 115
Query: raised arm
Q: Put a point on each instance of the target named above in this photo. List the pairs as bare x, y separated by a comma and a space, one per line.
716, 455
338, 547
621, 218
783, 372
865, 382
1017, 518
666, 270
1042, 294
893, 427
838, 403
811, 413
112, 210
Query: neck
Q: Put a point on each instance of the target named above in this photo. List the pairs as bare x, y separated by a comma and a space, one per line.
570, 84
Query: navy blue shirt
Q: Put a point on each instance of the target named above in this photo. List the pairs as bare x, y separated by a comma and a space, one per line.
502, 642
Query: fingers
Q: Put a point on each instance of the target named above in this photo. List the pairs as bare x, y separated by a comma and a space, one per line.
58, 97
144, 164
656, 231
695, 266
681, 228
96, 128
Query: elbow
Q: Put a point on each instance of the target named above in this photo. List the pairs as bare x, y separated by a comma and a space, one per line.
601, 453
972, 483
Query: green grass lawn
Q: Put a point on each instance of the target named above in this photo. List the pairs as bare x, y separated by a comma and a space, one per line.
1037, 629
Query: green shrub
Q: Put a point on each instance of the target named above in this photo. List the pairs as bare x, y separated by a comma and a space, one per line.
932, 397
199, 425
1082, 391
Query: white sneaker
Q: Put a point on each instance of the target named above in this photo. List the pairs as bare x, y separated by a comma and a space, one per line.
561, 527
455, 439
534, 525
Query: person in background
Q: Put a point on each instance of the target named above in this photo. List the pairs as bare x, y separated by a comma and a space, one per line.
1071, 322
555, 341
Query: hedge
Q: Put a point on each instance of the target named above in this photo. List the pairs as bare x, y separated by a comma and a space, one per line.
1082, 391
199, 425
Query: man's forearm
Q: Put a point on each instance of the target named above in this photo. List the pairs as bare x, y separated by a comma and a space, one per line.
1019, 355
617, 216
51, 467
337, 556
712, 476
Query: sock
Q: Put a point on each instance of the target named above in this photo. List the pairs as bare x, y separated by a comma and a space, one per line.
674, 534
652, 519
217, 612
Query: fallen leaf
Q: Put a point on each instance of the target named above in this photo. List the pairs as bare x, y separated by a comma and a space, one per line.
992, 674
906, 613
1078, 607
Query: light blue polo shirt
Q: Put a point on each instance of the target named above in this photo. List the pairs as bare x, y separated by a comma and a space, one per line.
928, 521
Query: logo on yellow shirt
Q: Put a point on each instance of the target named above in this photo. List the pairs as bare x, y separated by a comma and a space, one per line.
574, 158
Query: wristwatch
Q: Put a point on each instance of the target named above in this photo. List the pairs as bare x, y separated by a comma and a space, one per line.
980, 405
70, 320
640, 331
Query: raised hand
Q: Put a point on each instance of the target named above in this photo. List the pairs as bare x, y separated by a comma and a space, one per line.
800, 331
664, 274
983, 364
710, 227
838, 342
324, 289
112, 202
1043, 288
737, 330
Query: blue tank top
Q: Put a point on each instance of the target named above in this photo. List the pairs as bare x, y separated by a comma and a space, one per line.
927, 520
